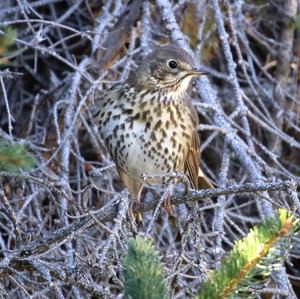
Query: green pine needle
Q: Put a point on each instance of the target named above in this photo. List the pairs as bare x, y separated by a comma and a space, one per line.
14, 157
144, 276
6, 41
8, 38
251, 259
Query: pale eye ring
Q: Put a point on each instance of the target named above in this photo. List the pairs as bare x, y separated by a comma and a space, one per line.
172, 64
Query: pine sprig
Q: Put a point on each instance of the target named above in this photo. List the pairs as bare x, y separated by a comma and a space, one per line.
144, 275
14, 157
6, 41
251, 259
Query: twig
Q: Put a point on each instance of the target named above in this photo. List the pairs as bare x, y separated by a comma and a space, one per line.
108, 212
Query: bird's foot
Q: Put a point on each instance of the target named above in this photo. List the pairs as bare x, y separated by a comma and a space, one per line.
135, 211
167, 204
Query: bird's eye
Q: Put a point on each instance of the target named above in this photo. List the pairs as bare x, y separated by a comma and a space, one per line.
172, 64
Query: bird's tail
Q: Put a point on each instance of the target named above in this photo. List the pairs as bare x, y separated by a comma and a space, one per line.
203, 181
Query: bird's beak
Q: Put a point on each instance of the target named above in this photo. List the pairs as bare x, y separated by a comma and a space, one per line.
197, 72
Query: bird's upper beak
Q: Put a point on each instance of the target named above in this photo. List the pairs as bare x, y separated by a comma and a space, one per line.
197, 72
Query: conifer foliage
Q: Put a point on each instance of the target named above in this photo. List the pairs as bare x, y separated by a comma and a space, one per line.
14, 157
245, 268
252, 259
143, 272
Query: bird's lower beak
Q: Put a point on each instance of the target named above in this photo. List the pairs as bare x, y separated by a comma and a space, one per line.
197, 72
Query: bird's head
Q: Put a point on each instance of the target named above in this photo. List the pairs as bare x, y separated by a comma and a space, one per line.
169, 67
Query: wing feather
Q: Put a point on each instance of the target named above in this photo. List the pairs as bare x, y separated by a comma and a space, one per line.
192, 163
192, 160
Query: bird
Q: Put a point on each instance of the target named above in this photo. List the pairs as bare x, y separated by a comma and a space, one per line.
148, 123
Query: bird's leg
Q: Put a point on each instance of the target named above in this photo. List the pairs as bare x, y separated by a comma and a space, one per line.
171, 177
167, 204
135, 206
175, 177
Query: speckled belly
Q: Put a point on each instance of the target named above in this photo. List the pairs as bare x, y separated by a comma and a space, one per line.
142, 147
152, 152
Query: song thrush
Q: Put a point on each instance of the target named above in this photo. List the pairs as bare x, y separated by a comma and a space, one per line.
148, 123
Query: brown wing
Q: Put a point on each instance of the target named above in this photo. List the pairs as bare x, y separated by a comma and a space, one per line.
191, 165
192, 169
